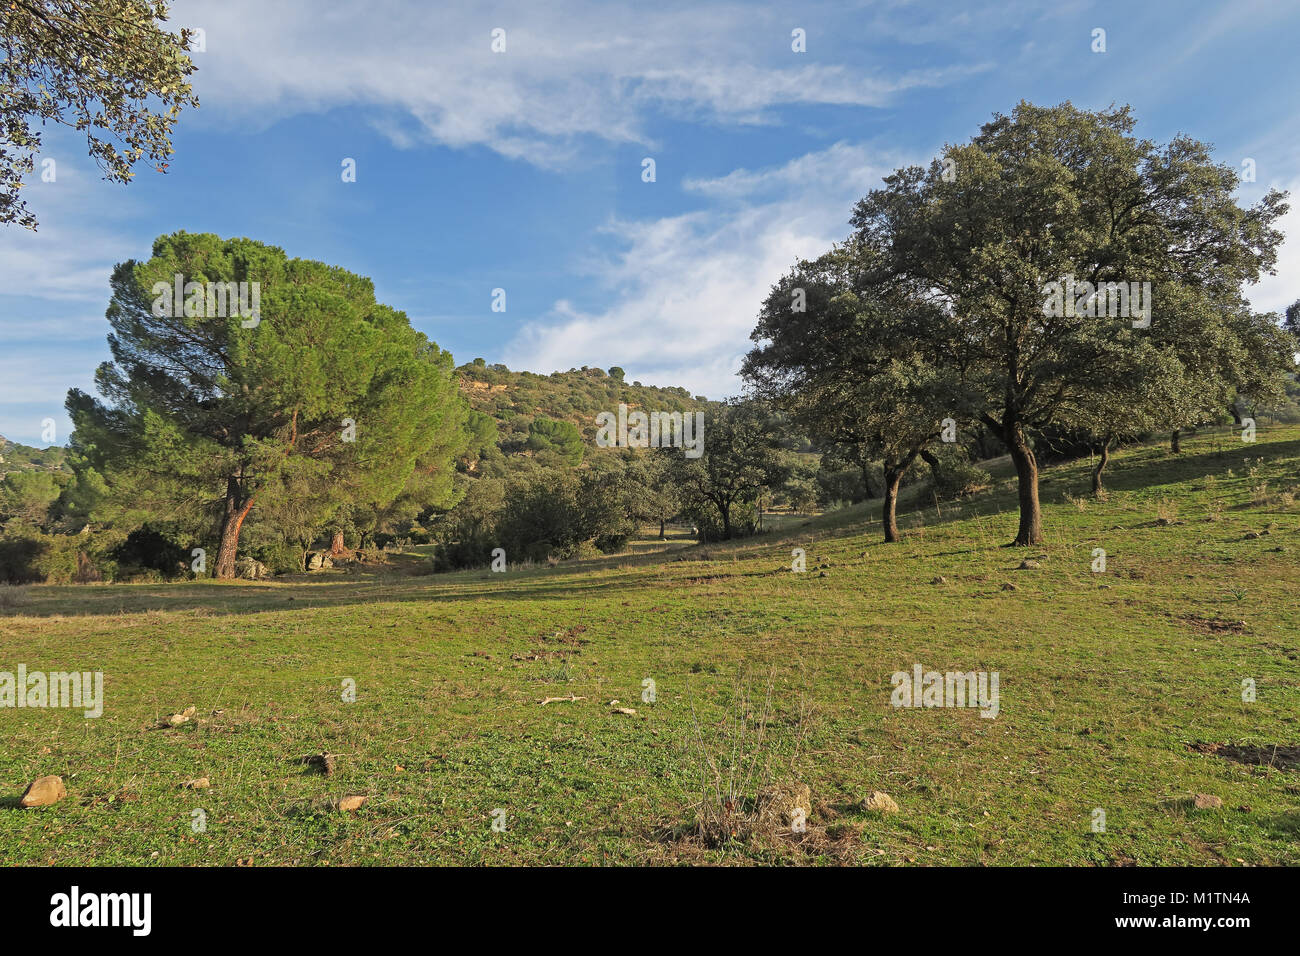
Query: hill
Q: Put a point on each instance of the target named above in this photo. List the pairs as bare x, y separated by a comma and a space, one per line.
16, 457
516, 399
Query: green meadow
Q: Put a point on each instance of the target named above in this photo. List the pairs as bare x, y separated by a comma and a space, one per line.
1120, 690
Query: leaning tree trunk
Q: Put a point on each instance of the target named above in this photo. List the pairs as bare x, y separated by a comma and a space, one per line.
1175, 445
1101, 465
932, 460
1031, 516
232, 521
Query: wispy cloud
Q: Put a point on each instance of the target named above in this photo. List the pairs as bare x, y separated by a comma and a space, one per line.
572, 69
686, 289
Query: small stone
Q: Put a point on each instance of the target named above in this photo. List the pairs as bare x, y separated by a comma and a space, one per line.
200, 783
1008, 586
184, 717
939, 580
821, 574
1029, 565
351, 804
623, 710
1162, 522
878, 802
43, 792
1252, 535
1206, 801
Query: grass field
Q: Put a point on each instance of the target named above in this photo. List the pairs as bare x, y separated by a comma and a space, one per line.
1113, 688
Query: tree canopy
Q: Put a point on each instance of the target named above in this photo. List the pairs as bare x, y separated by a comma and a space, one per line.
107, 69
328, 405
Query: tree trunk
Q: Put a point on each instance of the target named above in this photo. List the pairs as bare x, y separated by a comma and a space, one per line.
888, 512
866, 481
933, 462
336, 544
1236, 414
1175, 445
1031, 517
662, 536
726, 521
231, 522
1101, 464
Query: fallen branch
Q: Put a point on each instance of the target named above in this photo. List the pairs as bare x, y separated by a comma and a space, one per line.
552, 700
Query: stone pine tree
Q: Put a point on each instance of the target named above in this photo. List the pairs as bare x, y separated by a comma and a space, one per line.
859, 361
324, 394
1048, 195
107, 69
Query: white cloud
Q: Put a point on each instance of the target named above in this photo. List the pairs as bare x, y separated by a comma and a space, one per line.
71, 256
572, 69
1274, 293
687, 288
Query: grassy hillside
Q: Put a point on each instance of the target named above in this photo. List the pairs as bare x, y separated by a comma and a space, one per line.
514, 399
1119, 690
16, 457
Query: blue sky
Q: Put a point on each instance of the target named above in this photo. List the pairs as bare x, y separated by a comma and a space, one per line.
522, 170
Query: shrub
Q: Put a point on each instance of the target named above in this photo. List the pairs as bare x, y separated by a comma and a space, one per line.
30, 556
959, 479
467, 534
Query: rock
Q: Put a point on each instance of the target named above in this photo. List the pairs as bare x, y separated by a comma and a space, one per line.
319, 561
351, 804
1008, 586
43, 792
878, 802
251, 569
1162, 522
939, 580
624, 710
200, 783
1029, 565
777, 804
821, 574
1206, 801
184, 717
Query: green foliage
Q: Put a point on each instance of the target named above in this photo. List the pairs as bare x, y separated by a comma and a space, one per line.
30, 555
740, 458
107, 68
958, 478
555, 514
26, 497
467, 534
560, 438
515, 399
742, 521
325, 410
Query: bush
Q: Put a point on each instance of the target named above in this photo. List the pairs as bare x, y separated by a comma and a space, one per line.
30, 556
147, 549
844, 484
959, 479
467, 534
282, 558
